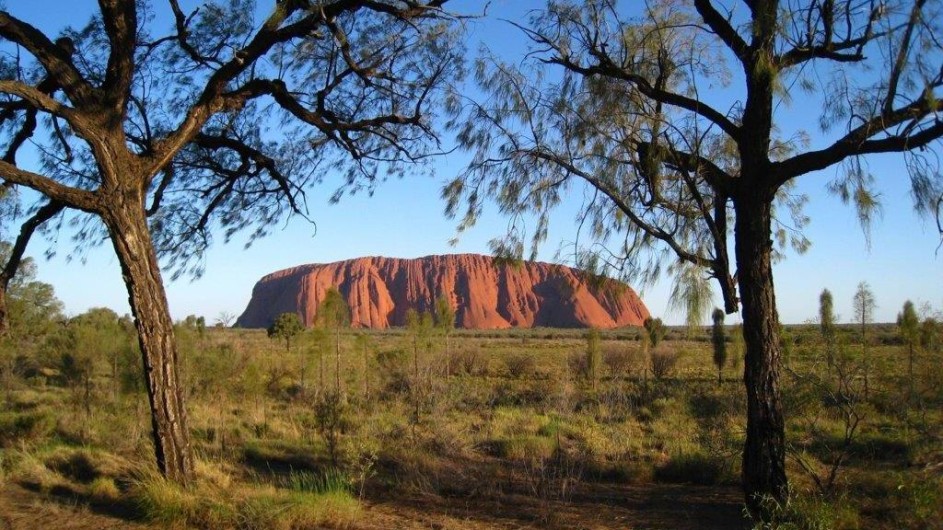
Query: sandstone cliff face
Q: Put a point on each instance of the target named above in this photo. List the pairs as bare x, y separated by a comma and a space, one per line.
483, 293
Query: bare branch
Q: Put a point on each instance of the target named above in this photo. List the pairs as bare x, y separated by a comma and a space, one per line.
73, 197
722, 28
47, 212
55, 57
860, 141
120, 21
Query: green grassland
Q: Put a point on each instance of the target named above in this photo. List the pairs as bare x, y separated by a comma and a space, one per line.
519, 423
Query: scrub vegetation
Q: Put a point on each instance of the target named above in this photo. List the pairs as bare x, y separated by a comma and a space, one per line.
533, 428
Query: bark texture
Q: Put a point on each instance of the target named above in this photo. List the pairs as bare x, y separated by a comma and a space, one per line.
127, 226
764, 453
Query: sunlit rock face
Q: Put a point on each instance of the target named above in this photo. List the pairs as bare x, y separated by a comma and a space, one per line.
485, 293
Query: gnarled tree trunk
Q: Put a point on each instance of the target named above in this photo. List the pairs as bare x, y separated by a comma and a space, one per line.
764, 454
127, 226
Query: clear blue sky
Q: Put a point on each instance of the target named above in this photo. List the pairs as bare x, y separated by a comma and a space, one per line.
405, 219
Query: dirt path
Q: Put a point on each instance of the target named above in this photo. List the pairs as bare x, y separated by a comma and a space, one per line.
649, 506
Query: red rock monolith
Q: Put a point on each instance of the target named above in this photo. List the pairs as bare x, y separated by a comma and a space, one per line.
485, 293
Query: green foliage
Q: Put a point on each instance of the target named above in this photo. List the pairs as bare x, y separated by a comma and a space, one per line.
691, 293
826, 315
418, 322
520, 365
330, 411
908, 325
864, 305
25, 427
419, 326
331, 480
34, 310
827, 327
444, 314
333, 312
930, 331
655, 330
195, 323
663, 363
285, 327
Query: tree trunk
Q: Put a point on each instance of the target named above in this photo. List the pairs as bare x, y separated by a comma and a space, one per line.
4, 316
337, 360
764, 454
130, 236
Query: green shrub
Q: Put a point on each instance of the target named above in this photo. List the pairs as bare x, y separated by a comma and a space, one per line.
469, 361
520, 365
25, 427
331, 480
663, 363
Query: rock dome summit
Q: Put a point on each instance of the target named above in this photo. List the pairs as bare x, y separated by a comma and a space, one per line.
485, 293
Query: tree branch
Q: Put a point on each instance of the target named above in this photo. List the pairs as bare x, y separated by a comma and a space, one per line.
47, 212
856, 142
120, 20
257, 157
55, 57
722, 28
609, 69
35, 97
828, 48
76, 198
617, 200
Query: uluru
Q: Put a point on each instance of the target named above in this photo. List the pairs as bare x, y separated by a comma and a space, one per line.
484, 292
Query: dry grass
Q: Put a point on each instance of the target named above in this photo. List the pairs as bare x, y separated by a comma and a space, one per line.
515, 422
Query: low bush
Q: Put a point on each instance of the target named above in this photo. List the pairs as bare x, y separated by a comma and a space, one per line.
17, 427
520, 365
663, 363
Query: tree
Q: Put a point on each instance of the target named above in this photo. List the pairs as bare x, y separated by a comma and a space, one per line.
908, 325
319, 343
655, 331
863, 304
285, 327
638, 113
225, 319
99, 332
31, 306
827, 326
930, 334
419, 325
719, 341
13, 255
333, 314
158, 141
445, 322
